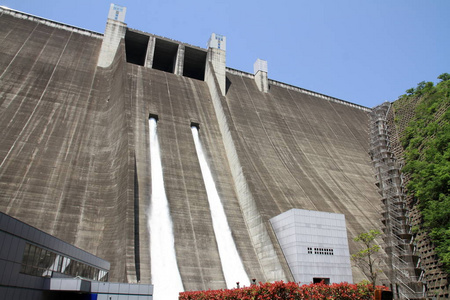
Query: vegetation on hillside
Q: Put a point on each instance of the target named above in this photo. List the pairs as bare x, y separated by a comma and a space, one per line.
426, 141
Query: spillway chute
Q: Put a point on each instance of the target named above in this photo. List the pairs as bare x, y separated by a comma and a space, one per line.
164, 268
232, 266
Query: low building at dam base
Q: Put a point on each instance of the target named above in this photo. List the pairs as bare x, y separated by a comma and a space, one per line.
35, 265
315, 245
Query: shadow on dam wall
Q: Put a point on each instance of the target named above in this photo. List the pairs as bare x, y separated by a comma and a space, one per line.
75, 143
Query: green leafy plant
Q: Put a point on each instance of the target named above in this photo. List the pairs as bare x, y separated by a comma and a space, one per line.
426, 142
288, 291
368, 258
444, 77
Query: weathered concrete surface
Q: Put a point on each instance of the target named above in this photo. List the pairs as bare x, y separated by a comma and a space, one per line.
178, 101
272, 263
300, 151
64, 166
74, 155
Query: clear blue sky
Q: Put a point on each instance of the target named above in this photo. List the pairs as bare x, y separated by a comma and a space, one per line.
362, 51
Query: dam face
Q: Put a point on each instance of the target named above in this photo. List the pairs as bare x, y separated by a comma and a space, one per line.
75, 161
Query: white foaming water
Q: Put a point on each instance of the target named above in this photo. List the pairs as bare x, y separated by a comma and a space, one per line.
232, 266
165, 274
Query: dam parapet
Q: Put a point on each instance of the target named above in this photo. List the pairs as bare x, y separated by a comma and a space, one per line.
51, 23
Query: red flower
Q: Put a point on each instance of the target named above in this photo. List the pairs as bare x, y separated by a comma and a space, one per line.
287, 291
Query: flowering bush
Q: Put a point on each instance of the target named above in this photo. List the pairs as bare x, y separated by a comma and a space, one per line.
287, 291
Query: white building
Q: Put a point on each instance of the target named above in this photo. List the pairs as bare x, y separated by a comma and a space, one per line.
315, 245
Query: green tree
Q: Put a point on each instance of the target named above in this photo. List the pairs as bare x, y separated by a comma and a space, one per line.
444, 77
369, 258
410, 91
426, 142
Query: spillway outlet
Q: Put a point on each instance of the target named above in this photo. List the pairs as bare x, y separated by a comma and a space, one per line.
196, 125
136, 47
153, 116
194, 63
165, 55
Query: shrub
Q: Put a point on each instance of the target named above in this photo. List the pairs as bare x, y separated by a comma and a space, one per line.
287, 291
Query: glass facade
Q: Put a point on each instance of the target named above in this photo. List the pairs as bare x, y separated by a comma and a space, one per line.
42, 262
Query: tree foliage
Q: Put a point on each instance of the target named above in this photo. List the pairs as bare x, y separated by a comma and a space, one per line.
368, 259
426, 142
444, 77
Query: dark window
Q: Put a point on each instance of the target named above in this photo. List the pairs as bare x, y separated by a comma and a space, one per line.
42, 262
322, 251
319, 280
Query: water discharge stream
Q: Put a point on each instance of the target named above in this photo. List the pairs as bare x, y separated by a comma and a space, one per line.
165, 274
232, 266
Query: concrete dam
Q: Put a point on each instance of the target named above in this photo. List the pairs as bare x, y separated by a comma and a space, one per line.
75, 156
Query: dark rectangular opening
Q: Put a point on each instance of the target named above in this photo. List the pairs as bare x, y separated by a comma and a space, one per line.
196, 125
194, 63
387, 295
319, 280
165, 56
150, 116
136, 47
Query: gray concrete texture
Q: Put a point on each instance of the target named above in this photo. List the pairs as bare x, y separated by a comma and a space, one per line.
74, 156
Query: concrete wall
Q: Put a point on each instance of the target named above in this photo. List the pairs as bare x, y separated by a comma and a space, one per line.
74, 155
64, 163
301, 151
48, 124
178, 101
271, 262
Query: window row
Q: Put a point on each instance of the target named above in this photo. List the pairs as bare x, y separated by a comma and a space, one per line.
321, 251
42, 262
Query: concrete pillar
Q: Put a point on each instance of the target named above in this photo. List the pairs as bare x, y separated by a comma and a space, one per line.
150, 52
217, 56
179, 61
260, 71
115, 31
258, 231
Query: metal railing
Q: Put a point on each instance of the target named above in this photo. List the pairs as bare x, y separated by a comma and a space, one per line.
398, 235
